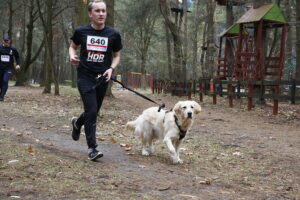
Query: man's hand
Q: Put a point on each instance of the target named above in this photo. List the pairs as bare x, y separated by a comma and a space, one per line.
74, 60
107, 74
18, 67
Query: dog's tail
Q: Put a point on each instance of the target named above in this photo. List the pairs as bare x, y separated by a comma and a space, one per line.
131, 125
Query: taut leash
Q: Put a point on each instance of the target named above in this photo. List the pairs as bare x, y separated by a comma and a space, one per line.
161, 106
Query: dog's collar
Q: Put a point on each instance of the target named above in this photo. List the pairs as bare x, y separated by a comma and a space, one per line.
181, 132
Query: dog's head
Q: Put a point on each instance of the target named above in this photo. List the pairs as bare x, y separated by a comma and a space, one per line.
187, 109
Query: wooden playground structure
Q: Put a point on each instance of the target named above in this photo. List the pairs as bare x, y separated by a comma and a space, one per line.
256, 66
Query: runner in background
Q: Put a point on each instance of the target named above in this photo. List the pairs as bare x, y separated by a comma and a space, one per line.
7, 55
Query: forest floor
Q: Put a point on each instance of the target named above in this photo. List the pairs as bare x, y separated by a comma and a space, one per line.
230, 153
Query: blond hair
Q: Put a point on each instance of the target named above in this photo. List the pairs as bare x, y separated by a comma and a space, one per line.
90, 5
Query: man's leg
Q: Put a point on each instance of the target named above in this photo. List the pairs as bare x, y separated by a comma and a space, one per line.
88, 118
100, 92
4, 83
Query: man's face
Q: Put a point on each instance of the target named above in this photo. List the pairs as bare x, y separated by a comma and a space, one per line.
6, 43
98, 13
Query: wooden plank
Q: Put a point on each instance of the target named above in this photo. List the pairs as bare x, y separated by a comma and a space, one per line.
272, 58
246, 62
246, 54
272, 73
272, 66
245, 70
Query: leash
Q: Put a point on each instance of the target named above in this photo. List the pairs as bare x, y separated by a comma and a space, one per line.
100, 78
161, 106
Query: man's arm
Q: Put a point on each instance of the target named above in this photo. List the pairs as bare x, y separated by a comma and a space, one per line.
116, 60
17, 57
72, 53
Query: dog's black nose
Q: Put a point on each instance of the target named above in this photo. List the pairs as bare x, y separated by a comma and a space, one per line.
190, 115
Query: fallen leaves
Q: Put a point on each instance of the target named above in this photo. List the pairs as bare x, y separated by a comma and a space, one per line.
19, 134
205, 182
127, 147
30, 149
113, 140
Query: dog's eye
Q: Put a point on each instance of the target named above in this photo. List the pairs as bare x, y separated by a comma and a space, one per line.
184, 107
192, 107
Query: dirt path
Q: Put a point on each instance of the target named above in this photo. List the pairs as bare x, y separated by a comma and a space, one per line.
230, 153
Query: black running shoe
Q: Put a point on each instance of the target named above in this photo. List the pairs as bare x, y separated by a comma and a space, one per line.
1, 98
94, 154
75, 129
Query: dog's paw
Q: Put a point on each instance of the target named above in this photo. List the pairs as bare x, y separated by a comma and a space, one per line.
177, 160
145, 152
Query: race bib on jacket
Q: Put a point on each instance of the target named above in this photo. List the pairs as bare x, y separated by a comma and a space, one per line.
95, 43
5, 58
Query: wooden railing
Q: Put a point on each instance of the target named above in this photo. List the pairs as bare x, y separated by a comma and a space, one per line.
275, 90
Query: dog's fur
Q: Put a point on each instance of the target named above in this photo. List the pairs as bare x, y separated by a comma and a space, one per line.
152, 125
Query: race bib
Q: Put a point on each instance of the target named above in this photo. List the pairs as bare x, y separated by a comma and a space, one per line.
5, 58
95, 43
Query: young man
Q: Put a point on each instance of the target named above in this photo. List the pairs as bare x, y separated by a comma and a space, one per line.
7, 55
100, 47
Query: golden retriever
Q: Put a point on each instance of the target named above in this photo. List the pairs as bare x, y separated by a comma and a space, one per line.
169, 126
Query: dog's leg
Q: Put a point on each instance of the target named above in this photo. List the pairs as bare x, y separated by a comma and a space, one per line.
145, 151
151, 147
146, 143
168, 142
177, 145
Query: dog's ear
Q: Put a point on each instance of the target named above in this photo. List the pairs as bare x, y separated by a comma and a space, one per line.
177, 108
197, 107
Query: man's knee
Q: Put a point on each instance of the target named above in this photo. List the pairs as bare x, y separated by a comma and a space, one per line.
91, 114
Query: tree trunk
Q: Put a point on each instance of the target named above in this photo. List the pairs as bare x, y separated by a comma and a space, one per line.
82, 17
51, 73
110, 21
210, 55
297, 74
229, 48
195, 40
204, 48
10, 19
68, 43
185, 43
177, 40
169, 53
289, 44
21, 78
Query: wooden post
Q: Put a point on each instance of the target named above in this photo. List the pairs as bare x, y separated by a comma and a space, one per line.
275, 101
189, 90
213, 91
282, 49
152, 86
230, 97
238, 90
293, 91
151, 83
260, 53
194, 87
238, 66
250, 99
200, 91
